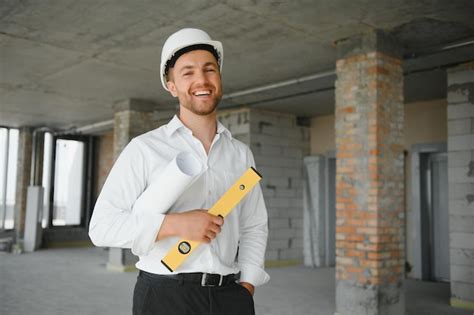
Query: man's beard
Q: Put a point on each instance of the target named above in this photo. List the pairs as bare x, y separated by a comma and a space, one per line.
203, 110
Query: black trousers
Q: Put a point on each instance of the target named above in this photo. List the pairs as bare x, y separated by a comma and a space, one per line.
170, 296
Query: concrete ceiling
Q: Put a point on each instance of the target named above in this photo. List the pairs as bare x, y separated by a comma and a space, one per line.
65, 63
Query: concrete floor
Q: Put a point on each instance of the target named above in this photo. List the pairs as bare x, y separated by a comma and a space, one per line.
75, 281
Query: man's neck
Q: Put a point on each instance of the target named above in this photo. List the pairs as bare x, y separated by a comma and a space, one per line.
204, 127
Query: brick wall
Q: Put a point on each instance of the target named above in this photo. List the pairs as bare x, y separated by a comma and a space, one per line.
461, 183
369, 181
369, 176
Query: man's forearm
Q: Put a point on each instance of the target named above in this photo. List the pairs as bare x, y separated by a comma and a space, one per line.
197, 225
169, 227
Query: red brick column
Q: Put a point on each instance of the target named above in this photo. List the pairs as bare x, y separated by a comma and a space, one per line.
369, 176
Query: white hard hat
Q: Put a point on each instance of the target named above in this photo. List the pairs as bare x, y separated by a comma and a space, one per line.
185, 38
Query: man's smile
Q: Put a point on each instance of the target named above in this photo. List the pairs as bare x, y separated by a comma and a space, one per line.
201, 93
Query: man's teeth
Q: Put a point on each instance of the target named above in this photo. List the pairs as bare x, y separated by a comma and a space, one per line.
199, 93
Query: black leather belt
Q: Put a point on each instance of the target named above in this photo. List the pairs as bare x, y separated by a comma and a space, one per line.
204, 279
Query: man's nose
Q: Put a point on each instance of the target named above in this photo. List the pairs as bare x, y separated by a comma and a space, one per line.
201, 77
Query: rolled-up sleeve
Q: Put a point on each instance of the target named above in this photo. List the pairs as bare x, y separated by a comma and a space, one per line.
114, 222
253, 235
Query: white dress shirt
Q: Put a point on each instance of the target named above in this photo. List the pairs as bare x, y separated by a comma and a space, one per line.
117, 223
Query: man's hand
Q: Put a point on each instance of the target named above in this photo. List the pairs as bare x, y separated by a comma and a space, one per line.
249, 287
195, 225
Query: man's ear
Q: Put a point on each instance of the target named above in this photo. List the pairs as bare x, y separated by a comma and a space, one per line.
172, 88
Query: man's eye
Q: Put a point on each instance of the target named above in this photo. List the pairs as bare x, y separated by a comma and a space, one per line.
210, 70
187, 74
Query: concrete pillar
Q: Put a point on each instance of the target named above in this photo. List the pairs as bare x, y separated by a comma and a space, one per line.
22, 182
369, 179
461, 183
132, 118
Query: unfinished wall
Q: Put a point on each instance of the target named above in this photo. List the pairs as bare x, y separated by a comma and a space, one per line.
425, 122
322, 134
461, 183
278, 145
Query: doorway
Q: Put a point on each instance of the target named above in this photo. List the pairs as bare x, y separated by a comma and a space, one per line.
69, 184
434, 216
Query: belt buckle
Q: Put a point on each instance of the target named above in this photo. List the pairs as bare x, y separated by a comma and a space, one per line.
204, 278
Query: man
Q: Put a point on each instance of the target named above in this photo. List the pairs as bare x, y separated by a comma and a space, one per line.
207, 282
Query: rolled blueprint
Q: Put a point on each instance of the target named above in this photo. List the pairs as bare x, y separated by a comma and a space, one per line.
166, 186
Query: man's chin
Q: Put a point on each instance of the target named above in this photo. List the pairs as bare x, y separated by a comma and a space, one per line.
204, 110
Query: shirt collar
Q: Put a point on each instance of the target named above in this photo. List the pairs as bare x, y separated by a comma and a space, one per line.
175, 124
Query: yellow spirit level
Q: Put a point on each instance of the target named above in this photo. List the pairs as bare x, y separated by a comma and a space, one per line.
222, 207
